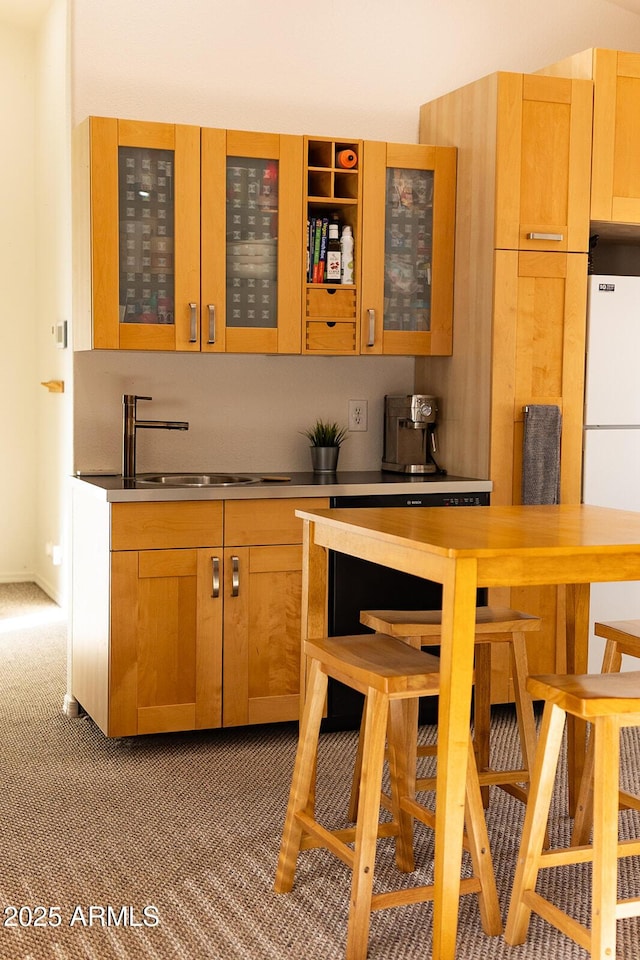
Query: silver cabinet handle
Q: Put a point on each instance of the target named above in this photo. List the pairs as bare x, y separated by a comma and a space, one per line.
372, 328
212, 323
193, 322
215, 578
545, 236
235, 576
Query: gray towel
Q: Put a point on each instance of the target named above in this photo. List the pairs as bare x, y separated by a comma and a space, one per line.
541, 454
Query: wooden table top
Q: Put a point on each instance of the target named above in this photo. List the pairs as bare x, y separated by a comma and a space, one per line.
492, 532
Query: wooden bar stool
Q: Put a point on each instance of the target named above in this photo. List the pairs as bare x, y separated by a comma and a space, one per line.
422, 628
609, 702
391, 675
623, 637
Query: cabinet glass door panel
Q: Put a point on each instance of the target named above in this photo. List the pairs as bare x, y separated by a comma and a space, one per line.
147, 234
141, 242
252, 242
408, 249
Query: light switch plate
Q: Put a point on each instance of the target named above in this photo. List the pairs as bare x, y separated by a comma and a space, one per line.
60, 333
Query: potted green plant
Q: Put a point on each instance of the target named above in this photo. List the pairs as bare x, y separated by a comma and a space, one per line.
325, 440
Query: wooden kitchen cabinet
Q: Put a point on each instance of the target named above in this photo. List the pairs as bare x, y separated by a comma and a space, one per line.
160, 604
183, 237
146, 624
399, 200
538, 357
519, 302
407, 267
542, 170
193, 239
262, 604
251, 255
166, 641
615, 175
333, 193
165, 668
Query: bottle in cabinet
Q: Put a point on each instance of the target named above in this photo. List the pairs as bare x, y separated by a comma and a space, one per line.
346, 255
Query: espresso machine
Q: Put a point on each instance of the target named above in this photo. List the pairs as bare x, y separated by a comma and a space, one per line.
409, 434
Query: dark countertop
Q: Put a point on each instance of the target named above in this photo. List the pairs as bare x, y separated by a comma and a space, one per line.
115, 489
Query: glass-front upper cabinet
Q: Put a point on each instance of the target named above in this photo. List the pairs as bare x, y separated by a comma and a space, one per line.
137, 235
186, 238
251, 257
407, 249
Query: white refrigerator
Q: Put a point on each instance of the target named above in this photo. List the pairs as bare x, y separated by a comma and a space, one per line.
611, 472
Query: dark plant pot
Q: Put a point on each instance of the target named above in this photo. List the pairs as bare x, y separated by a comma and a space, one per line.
324, 459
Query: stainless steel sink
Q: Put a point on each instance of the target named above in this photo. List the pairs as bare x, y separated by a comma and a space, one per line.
195, 479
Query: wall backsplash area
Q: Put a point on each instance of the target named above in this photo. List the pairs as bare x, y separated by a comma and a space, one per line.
244, 412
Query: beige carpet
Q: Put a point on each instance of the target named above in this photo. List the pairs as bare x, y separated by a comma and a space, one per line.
96, 830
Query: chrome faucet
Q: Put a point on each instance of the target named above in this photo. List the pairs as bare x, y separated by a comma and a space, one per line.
131, 424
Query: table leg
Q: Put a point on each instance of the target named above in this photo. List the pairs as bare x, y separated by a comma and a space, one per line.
313, 615
313, 623
577, 662
456, 672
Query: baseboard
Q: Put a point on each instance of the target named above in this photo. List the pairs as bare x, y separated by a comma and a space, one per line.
22, 577
49, 589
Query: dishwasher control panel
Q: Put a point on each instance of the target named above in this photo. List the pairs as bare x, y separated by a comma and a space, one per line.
413, 500
466, 500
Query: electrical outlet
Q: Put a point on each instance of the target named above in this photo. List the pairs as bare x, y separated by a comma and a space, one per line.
357, 415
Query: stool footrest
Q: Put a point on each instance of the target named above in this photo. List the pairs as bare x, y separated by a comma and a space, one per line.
563, 856
326, 838
336, 840
489, 778
558, 918
628, 908
499, 778
401, 898
418, 812
348, 835
628, 801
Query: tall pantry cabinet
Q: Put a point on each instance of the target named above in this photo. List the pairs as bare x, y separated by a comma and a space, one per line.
522, 233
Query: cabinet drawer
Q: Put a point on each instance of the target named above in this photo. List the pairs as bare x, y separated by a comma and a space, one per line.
330, 303
152, 526
249, 522
322, 337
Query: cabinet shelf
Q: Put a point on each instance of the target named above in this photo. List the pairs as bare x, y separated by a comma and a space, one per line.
331, 286
322, 201
333, 185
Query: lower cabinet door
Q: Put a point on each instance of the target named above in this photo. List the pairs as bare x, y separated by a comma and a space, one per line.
261, 677
540, 309
166, 641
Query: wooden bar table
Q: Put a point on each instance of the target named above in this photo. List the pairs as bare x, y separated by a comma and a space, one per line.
464, 549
